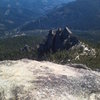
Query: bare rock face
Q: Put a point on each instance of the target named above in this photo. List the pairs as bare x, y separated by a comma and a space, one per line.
59, 40
26, 48
32, 80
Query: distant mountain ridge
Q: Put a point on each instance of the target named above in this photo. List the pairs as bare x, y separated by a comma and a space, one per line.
14, 13
78, 15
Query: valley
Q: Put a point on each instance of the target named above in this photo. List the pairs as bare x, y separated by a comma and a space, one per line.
12, 48
77, 15
15, 13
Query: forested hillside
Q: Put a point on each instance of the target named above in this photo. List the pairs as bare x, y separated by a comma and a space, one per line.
15, 13
78, 15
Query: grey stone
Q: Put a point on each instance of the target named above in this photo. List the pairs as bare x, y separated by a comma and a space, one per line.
59, 40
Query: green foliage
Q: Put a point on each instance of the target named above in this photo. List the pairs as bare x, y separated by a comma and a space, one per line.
57, 57
92, 62
64, 57
10, 50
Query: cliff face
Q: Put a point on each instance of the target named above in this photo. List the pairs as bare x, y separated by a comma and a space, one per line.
32, 80
59, 40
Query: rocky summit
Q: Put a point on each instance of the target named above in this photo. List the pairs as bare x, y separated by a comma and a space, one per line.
32, 80
59, 40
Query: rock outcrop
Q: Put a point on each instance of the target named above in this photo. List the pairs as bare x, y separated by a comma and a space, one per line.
59, 40
26, 48
32, 80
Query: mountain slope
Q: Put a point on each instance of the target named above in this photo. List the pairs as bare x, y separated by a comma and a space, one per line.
14, 13
80, 15
33, 80
13, 17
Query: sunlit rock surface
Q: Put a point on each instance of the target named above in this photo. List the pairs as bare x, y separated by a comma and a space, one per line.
32, 80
